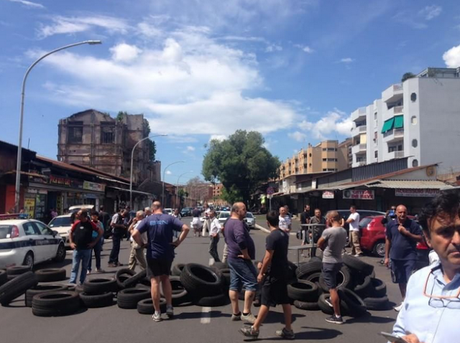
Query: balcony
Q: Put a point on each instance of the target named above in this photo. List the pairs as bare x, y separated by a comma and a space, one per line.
393, 135
393, 93
396, 154
394, 111
358, 130
359, 114
358, 149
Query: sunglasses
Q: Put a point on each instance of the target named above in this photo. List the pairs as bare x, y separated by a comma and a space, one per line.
439, 300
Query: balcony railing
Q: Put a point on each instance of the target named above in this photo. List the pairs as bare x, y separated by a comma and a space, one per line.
397, 154
358, 148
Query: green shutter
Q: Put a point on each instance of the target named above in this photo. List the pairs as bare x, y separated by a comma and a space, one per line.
388, 125
399, 122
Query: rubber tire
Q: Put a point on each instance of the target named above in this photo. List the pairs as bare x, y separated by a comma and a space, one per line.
17, 287
364, 288
128, 298
97, 300
52, 304
306, 269
39, 289
213, 301
291, 276
17, 270
122, 275
314, 277
377, 304
345, 274
135, 279
352, 303
201, 281
219, 265
303, 291
177, 269
50, 274
304, 305
60, 253
357, 265
323, 305
379, 289
3, 277
179, 293
99, 286
145, 306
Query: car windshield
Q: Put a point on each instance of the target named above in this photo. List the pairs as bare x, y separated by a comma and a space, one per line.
224, 215
5, 230
60, 221
249, 215
365, 221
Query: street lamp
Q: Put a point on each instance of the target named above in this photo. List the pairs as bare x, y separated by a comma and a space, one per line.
164, 174
131, 175
19, 154
177, 183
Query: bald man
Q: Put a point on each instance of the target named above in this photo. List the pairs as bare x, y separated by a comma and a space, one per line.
401, 239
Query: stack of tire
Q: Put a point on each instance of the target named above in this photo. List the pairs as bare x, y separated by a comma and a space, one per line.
98, 292
45, 277
12, 288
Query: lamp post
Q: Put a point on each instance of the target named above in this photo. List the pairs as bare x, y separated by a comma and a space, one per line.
164, 174
131, 174
177, 183
19, 154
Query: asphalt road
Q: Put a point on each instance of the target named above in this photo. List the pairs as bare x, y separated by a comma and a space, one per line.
192, 323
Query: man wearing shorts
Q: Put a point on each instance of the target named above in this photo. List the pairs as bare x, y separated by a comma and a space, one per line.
332, 242
273, 278
243, 274
160, 253
401, 239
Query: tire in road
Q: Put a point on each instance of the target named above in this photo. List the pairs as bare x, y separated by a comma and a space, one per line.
219, 265
145, 306
17, 287
379, 288
308, 268
128, 298
122, 275
364, 288
303, 291
305, 305
213, 301
201, 281
377, 304
97, 300
39, 289
351, 303
324, 304
50, 274
17, 270
53, 304
343, 280
180, 295
135, 279
99, 286
357, 265
177, 269
3, 277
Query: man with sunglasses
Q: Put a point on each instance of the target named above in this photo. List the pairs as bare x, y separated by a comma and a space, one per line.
432, 306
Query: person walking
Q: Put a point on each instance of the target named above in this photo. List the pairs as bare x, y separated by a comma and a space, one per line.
160, 253
272, 276
316, 230
241, 251
98, 246
214, 232
118, 231
81, 241
137, 254
331, 242
401, 239
353, 221
284, 219
196, 222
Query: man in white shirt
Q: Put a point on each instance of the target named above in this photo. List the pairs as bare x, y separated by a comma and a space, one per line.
214, 231
285, 220
353, 220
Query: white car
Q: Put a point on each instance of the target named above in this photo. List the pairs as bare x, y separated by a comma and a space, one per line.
62, 224
250, 220
28, 242
168, 210
223, 216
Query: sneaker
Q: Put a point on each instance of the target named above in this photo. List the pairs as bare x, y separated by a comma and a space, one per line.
398, 308
285, 333
248, 318
169, 311
99, 270
236, 317
334, 319
249, 331
88, 272
156, 317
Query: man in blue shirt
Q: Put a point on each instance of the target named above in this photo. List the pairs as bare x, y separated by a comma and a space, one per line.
160, 253
432, 306
401, 239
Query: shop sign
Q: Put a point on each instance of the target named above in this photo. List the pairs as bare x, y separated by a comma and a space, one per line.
64, 182
36, 191
29, 207
359, 194
328, 195
93, 186
416, 193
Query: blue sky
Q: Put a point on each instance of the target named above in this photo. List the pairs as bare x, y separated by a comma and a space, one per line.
201, 69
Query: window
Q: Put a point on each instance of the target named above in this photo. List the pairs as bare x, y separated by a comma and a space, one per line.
107, 133
413, 97
413, 120
75, 132
329, 149
414, 163
44, 230
414, 143
376, 154
375, 116
29, 229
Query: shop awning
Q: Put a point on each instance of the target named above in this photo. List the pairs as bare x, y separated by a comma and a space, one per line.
388, 125
134, 191
399, 122
409, 184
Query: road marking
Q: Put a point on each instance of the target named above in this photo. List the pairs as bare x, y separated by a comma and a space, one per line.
206, 315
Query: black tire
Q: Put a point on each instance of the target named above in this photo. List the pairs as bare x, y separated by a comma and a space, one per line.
213, 301
316, 259
303, 291
17, 287
50, 274
219, 265
60, 254
357, 265
377, 304
351, 303
122, 275
379, 288
179, 293
135, 279
78, 288
3, 277
306, 269
177, 269
364, 288
128, 298
99, 286
201, 281
97, 300
60, 303
343, 280
225, 277
324, 304
145, 306
304, 305
291, 276
379, 249
17, 270
39, 289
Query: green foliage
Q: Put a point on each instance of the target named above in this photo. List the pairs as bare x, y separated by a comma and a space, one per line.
407, 76
241, 163
121, 115
152, 149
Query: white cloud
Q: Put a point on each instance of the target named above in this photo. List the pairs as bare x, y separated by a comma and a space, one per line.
273, 48
219, 138
124, 52
29, 4
298, 136
333, 122
417, 20
347, 60
430, 12
190, 148
305, 48
452, 57
168, 172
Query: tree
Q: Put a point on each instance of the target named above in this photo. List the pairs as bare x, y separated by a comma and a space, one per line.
241, 163
407, 76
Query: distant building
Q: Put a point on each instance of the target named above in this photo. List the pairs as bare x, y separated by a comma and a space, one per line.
417, 119
217, 190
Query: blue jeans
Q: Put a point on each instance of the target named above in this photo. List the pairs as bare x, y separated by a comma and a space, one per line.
82, 256
116, 238
97, 254
243, 273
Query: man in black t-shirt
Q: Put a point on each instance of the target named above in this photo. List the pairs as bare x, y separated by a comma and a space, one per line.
272, 275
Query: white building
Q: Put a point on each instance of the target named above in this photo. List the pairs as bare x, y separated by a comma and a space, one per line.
418, 119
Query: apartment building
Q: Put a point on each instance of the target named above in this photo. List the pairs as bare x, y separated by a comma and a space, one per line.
418, 119
217, 190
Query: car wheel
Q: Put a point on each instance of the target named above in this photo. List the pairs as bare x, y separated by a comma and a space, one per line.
29, 260
60, 254
379, 249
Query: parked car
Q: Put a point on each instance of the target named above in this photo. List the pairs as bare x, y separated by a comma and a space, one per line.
223, 216
250, 220
76, 208
362, 213
168, 210
28, 242
62, 224
186, 212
